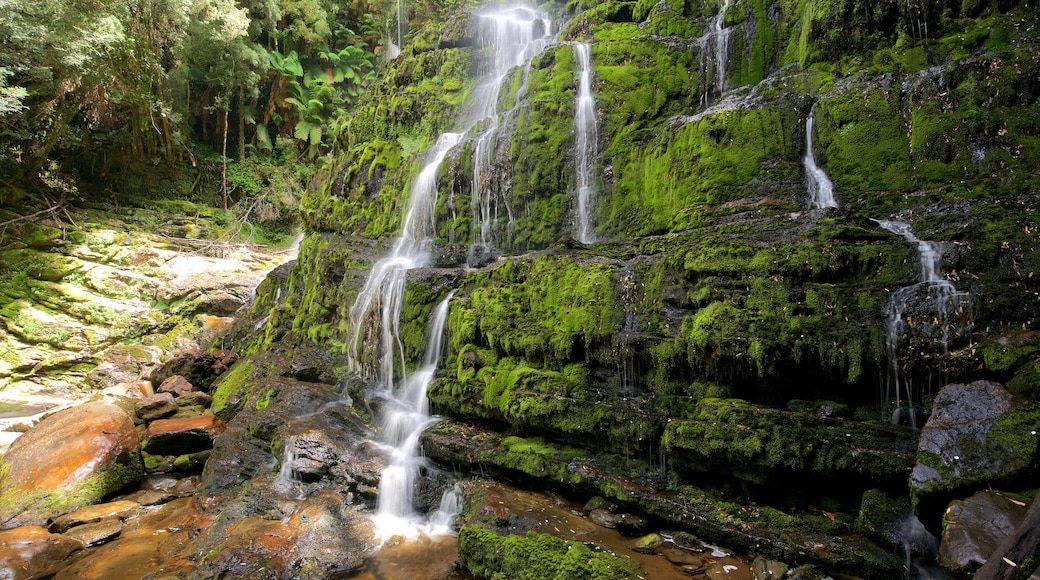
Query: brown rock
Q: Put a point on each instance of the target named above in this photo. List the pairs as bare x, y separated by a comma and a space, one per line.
195, 399
33, 552
146, 497
974, 527
117, 510
68, 460
177, 385
156, 407
97, 532
182, 435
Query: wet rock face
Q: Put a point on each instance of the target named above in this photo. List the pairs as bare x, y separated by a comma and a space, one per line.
70, 459
32, 552
978, 433
975, 527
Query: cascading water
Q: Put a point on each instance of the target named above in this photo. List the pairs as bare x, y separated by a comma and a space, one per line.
516, 36
586, 137
383, 291
821, 190
405, 416
942, 295
714, 47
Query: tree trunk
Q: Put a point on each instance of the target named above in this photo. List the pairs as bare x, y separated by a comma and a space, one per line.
241, 126
1019, 554
223, 158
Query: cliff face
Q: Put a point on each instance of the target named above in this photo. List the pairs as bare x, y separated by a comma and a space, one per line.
722, 324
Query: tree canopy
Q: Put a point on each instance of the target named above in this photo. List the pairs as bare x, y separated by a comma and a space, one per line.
90, 86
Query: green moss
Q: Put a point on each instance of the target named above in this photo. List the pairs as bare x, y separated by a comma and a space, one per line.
668, 180
538, 556
264, 400
232, 389
761, 444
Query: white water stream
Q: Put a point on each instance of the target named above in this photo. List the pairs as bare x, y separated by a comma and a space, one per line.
714, 48
821, 190
586, 140
513, 36
943, 295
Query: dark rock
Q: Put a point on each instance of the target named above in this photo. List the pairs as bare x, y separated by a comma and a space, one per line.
158, 406
181, 436
763, 568
604, 518
978, 434
70, 459
29, 552
632, 525
177, 385
974, 527
198, 367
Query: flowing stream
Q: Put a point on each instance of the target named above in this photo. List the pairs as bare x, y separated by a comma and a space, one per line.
821, 190
513, 36
935, 289
586, 138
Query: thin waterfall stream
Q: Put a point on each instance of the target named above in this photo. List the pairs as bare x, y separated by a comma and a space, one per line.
821, 190
586, 139
714, 47
514, 36
943, 297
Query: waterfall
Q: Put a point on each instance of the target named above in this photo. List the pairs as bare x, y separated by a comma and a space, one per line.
383, 292
586, 138
821, 191
406, 415
515, 35
940, 292
714, 47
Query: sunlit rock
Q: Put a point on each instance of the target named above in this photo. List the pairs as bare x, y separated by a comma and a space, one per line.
70, 459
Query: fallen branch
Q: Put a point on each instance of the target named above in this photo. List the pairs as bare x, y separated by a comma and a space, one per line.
32, 215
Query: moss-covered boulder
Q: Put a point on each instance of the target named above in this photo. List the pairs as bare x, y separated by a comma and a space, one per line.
978, 435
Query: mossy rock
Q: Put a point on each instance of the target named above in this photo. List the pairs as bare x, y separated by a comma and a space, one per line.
536, 556
763, 445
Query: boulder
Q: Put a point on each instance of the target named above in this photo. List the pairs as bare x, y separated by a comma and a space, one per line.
33, 552
157, 406
183, 435
194, 399
978, 434
198, 367
974, 527
176, 385
70, 459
